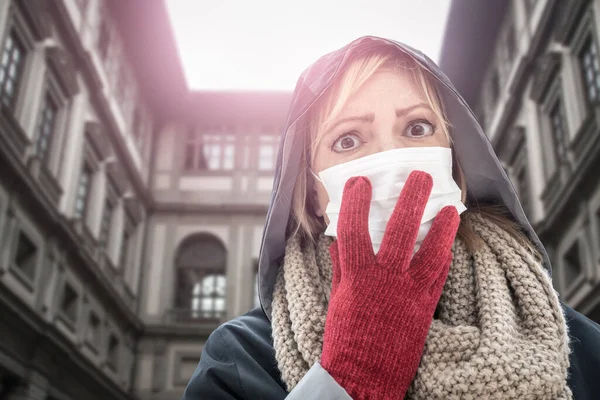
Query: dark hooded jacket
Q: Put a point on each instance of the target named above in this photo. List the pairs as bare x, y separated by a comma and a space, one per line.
238, 359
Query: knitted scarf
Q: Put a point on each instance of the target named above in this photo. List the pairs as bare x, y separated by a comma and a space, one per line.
499, 331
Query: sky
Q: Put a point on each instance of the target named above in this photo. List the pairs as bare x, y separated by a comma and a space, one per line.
237, 45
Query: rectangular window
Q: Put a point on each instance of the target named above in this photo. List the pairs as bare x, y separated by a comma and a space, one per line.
201, 293
187, 367
11, 69
590, 68
209, 152
572, 264
267, 152
69, 303
558, 126
83, 191
126, 242
93, 330
189, 162
124, 248
106, 224
112, 356
26, 256
45, 130
228, 153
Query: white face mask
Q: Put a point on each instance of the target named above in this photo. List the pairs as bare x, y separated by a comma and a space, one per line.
388, 171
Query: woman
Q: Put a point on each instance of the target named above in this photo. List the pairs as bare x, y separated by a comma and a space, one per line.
376, 282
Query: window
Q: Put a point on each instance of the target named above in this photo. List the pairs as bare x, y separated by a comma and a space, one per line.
124, 248
11, 69
128, 233
106, 224
186, 369
112, 356
69, 303
588, 58
201, 281
572, 264
267, 152
46, 127
93, 331
211, 152
26, 256
208, 297
557, 123
83, 191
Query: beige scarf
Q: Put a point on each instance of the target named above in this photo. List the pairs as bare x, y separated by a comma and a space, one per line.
499, 330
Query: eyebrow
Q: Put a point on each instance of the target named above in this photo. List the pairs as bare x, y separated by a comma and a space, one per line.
400, 112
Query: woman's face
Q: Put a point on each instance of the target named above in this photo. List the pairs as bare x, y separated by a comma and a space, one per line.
387, 112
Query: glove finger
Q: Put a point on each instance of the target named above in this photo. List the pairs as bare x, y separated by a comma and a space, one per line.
429, 259
354, 242
438, 286
402, 228
335, 263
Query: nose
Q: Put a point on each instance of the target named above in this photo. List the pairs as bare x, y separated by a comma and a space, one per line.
387, 141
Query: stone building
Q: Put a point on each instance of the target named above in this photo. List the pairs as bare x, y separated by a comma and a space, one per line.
530, 71
131, 209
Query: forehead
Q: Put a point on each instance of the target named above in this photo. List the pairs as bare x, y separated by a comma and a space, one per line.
385, 88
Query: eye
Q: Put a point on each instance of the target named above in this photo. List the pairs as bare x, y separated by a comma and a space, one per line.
419, 128
346, 142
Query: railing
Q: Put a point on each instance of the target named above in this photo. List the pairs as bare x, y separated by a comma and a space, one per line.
186, 316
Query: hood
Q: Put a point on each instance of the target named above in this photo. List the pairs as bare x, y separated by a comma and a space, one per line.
486, 179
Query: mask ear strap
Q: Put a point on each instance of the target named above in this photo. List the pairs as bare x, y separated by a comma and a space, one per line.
315, 175
313, 198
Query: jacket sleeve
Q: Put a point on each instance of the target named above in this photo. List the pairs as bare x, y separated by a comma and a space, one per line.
584, 372
222, 375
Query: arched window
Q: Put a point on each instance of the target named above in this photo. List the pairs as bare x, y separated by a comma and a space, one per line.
200, 290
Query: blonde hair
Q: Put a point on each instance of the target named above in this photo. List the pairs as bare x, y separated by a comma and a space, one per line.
304, 220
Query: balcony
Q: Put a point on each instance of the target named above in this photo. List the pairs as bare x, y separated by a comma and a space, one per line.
183, 323
186, 316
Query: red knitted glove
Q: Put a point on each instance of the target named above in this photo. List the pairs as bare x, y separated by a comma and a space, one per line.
382, 305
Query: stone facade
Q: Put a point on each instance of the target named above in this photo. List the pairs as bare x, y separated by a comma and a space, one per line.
534, 83
131, 210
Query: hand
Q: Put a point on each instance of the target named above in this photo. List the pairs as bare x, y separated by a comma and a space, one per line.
381, 306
